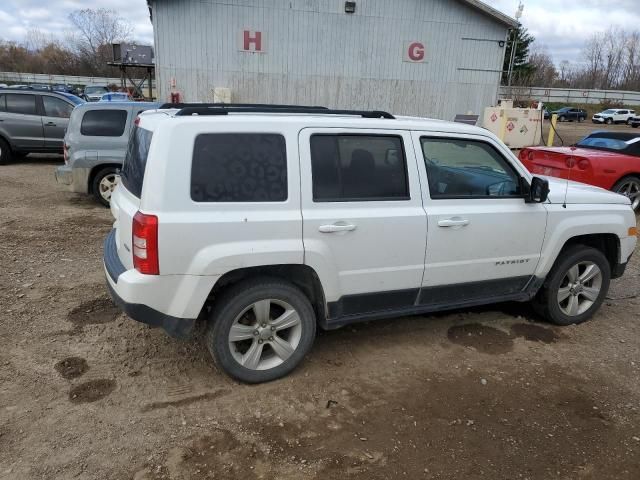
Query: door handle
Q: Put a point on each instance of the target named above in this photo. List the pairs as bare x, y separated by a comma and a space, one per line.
453, 222
336, 227
50, 124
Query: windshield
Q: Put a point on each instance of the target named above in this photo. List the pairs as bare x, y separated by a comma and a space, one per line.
135, 161
72, 98
603, 142
610, 112
94, 89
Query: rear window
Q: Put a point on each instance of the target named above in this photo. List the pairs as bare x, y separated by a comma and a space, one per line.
135, 161
232, 167
103, 123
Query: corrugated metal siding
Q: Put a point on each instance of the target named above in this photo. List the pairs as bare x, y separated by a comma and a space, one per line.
317, 54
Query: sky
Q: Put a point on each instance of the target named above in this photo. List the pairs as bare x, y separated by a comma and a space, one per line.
560, 26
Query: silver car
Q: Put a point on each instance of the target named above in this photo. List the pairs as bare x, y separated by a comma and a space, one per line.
93, 93
95, 145
33, 121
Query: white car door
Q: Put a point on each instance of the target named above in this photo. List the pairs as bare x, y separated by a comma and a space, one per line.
364, 225
621, 116
484, 241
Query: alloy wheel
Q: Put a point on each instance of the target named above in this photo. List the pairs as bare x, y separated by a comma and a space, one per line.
107, 185
579, 288
631, 190
265, 334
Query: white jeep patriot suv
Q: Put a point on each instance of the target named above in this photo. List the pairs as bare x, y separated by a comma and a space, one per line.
267, 222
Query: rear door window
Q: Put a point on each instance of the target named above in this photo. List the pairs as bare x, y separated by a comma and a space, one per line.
358, 168
22, 104
239, 167
135, 161
103, 123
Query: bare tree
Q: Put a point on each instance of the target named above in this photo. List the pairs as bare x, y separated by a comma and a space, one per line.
95, 31
593, 55
543, 71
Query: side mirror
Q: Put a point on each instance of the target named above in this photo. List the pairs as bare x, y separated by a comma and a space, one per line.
538, 192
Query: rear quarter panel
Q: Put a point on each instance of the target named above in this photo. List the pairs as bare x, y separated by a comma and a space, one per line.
211, 239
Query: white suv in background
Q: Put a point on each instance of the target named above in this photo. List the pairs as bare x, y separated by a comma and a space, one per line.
267, 222
614, 116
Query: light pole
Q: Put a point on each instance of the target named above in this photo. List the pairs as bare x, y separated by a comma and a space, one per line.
514, 46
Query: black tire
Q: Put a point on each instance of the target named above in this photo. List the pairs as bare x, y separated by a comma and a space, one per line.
546, 302
581, 119
562, 118
608, 121
97, 180
628, 121
6, 155
626, 180
238, 299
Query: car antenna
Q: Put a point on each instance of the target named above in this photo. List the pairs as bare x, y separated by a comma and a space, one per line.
571, 162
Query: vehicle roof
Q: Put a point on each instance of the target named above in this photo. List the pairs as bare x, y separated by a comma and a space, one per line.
151, 119
34, 91
116, 105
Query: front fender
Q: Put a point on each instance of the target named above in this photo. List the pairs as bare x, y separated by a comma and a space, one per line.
578, 220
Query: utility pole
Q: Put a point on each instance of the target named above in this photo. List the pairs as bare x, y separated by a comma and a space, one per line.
514, 46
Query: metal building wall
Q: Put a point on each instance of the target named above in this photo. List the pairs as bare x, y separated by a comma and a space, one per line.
318, 55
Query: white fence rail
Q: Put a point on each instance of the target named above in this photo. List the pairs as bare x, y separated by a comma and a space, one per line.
27, 78
569, 95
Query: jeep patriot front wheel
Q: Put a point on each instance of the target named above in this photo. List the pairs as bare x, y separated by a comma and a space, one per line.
576, 286
261, 330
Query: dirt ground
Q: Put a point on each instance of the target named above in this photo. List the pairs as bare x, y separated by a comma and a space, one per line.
569, 133
486, 393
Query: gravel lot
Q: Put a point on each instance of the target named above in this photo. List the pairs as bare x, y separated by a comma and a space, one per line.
488, 393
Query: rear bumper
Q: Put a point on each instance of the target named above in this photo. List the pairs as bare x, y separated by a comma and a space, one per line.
74, 179
176, 327
172, 302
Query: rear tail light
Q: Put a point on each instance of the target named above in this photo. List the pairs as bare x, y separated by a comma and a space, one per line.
530, 156
583, 164
145, 244
570, 162
136, 122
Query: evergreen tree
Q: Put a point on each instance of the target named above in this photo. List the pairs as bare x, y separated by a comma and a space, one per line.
521, 66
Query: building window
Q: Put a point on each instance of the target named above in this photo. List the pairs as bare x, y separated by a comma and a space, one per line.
234, 167
358, 168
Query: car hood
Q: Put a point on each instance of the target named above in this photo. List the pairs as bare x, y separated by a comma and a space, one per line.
581, 193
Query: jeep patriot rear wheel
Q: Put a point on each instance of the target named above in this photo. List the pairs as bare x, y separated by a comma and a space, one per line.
260, 330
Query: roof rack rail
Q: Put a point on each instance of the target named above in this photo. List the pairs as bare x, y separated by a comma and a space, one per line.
187, 111
234, 105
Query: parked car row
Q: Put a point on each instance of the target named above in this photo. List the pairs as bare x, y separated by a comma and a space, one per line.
608, 117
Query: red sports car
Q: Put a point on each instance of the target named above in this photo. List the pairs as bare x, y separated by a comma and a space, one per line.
609, 160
